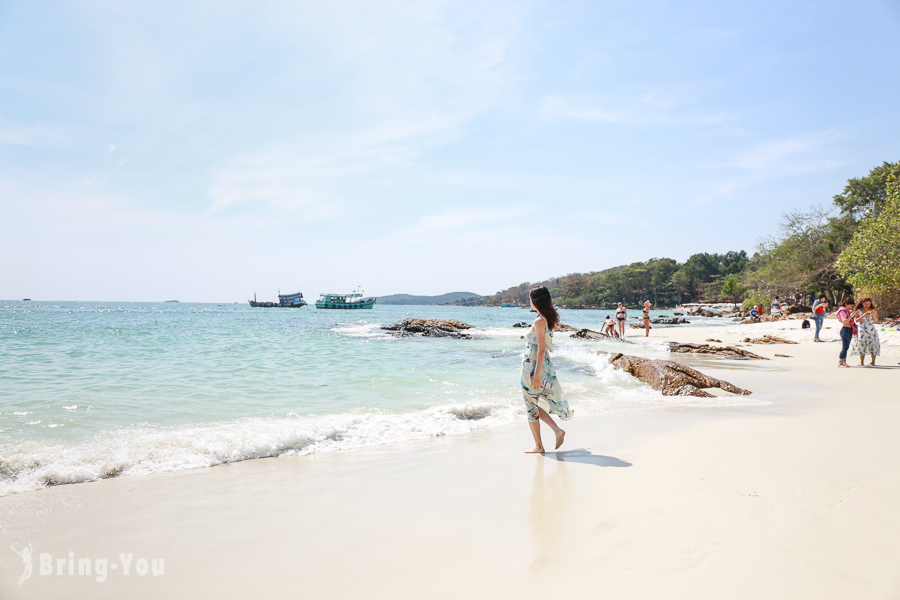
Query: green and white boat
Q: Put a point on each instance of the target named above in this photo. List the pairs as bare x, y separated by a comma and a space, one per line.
344, 301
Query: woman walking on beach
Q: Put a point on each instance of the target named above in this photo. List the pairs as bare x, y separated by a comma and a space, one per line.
845, 316
537, 375
621, 314
646, 318
867, 340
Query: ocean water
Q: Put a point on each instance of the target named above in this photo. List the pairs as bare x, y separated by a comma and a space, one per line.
90, 390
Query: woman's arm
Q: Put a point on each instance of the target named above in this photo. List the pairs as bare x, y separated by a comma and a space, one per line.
540, 327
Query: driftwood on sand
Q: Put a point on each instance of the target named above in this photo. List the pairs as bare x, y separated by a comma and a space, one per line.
670, 377
429, 328
769, 339
727, 351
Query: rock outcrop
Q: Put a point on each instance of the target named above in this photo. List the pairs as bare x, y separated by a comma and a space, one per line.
522, 324
429, 328
590, 334
671, 378
726, 351
797, 308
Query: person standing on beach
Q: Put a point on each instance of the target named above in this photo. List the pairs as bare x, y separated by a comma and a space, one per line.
819, 307
867, 340
776, 309
537, 375
646, 318
621, 315
845, 316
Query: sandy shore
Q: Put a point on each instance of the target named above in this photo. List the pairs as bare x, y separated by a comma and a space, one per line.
796, 498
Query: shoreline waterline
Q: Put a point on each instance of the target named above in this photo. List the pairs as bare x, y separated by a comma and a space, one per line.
134, 389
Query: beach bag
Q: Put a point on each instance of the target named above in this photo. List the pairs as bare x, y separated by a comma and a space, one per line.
805, 324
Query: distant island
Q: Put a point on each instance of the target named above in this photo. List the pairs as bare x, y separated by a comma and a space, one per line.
460, 298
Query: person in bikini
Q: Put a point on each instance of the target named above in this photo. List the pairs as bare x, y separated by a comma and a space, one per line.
609, 327
621, 315
647, 318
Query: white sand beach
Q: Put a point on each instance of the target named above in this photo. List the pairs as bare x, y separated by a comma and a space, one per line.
795, 497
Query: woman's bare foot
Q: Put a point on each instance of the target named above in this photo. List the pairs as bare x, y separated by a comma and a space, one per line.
535, 450
560, 437
843, 365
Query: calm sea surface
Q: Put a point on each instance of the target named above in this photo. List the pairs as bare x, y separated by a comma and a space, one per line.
94, 389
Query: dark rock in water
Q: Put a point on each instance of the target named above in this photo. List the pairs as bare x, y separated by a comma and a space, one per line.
678, 314
522, 324
589, 334
561, 327
712, 340
671, 378
784, 355
668, 321
726, 351
429, 328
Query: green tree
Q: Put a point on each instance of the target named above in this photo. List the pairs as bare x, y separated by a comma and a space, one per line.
871, 261
802, 258
732, 288
867, 194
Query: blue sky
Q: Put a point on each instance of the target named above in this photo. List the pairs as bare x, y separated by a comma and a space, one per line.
206, 150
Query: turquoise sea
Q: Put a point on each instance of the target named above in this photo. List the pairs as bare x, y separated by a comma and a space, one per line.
101, 389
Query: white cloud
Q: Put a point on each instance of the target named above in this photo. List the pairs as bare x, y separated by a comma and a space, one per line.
462, 219
651, 108
413, 78
792, 156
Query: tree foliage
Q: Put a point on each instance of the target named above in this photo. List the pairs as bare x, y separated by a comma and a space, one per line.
872, 259
801, 259
867, 194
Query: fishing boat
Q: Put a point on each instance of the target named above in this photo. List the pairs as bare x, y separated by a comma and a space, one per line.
284, 301
344, 301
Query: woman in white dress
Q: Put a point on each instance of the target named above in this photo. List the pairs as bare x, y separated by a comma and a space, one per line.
867, 340
537, 375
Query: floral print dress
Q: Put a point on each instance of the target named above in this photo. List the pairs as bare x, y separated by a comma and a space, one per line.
866, 340
549, 392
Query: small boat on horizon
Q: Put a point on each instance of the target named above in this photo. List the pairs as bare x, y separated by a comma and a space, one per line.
344, 301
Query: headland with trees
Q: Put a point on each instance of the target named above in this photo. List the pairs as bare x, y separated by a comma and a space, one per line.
850, 248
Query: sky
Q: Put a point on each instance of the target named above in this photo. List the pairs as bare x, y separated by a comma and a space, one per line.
204, 151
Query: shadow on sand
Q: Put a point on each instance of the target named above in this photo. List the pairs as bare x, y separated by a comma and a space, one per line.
584, 456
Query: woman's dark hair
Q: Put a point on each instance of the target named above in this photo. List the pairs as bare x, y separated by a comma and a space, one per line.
847, 301
861, 302
540, 296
